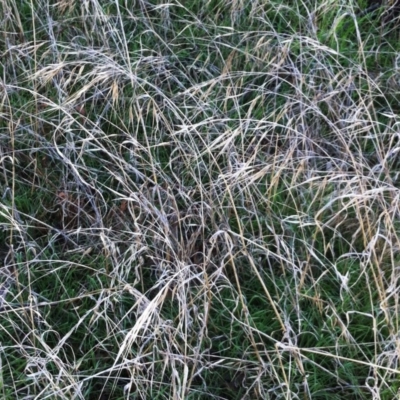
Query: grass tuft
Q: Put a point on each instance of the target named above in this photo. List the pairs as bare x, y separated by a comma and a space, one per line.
199, 200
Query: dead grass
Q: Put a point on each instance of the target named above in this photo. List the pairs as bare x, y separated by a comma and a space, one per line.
199, 201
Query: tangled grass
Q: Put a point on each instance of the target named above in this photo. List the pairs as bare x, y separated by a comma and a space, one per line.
200, 200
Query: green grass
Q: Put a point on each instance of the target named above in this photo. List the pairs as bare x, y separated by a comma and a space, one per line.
199, 200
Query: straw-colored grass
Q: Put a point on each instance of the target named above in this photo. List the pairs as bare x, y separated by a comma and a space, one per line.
200, 200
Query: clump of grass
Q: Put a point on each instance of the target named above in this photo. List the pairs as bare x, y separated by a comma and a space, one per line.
199, 201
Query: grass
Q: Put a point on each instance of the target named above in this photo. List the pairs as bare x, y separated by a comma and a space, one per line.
199, 200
